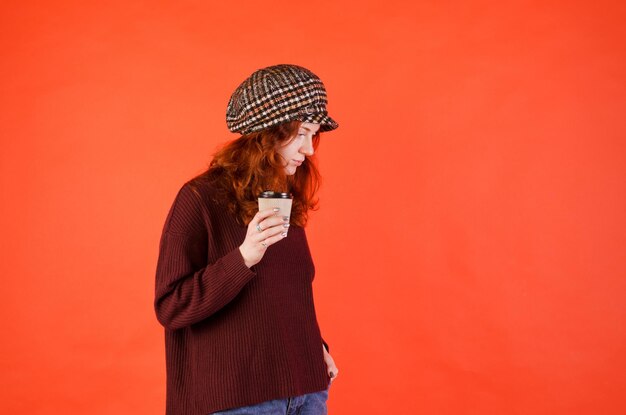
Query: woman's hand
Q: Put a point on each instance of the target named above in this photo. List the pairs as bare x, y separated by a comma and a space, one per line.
331, 369
266, 228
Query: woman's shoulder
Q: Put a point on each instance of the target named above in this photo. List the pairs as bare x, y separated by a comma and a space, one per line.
204, 190
198, 186
193, 206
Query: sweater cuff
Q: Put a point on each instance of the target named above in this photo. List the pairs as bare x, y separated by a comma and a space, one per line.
237, 264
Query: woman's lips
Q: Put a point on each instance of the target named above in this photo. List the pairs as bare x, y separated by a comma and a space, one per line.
298, 162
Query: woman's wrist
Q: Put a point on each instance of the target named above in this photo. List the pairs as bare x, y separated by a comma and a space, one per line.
248, 263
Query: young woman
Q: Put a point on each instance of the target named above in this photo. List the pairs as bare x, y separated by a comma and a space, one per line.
234, 284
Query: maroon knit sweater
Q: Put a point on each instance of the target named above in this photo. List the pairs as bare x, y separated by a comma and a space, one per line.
234, 336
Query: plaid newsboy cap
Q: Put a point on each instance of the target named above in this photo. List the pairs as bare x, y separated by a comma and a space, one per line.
278, 94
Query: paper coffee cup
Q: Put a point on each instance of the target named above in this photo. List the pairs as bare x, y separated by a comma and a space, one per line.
270, 200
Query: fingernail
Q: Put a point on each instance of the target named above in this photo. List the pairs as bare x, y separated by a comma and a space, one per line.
286, 225
332, 374
286, 218
284, 234
276, 209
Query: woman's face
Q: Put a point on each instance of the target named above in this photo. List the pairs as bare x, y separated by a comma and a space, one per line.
301, 146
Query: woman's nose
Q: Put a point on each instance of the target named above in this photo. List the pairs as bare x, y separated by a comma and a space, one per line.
307, 147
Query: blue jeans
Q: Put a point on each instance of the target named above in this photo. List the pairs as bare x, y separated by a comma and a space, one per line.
308, 404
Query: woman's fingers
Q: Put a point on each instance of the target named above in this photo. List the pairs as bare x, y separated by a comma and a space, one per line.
262, 214
271, 222
275, 238
331, 368
266, 228
273, 234
273, 227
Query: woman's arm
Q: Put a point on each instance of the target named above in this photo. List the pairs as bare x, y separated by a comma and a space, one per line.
189, 290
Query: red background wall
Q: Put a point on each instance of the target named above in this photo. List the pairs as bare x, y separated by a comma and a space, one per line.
470, 243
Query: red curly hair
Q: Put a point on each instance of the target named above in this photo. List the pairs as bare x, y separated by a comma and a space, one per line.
249, 165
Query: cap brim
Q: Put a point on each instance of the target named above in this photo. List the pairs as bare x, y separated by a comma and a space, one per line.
326, 123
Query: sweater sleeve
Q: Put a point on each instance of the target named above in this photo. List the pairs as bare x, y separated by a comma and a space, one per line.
188, 289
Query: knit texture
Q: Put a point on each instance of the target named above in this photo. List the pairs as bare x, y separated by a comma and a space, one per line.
234, 336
